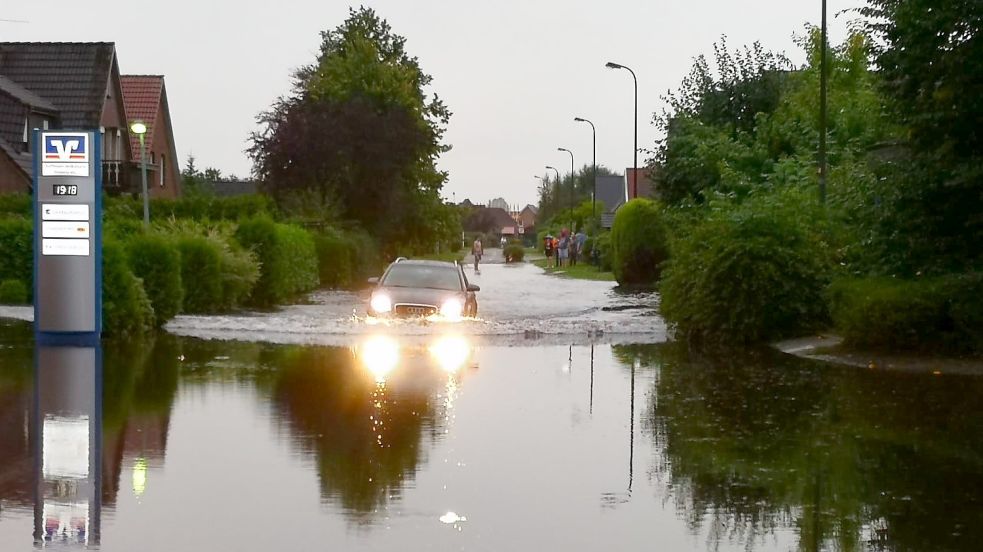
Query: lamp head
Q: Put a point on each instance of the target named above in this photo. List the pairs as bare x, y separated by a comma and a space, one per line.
137, 127
613, 65
579, 119
562, 149
551, 168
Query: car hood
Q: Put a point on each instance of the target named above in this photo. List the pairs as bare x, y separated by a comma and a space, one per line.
419, 296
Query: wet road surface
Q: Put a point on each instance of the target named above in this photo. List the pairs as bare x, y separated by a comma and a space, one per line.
310, 429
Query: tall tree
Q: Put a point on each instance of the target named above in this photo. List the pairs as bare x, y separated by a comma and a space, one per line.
359, 133
931, 57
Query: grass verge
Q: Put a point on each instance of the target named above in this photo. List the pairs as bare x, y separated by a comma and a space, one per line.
579, 272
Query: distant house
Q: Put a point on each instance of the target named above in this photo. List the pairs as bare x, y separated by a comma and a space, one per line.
145, 99
528, 216
499, 203
229, 188
644, 186
72, 85
491, 220
467, 204
611, 191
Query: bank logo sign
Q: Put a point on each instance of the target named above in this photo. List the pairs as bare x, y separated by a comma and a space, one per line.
65, 154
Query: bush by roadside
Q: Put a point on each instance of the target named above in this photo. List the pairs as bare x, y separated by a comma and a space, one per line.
287, 256
156, 261
639, 245
514, 253
746, 273
13, 292
126, 310
943, 313
17, 248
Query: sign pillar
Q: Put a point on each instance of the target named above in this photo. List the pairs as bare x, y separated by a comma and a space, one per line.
67, 237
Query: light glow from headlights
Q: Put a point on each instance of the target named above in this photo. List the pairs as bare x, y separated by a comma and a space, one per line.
451, 352
381, 303
452, 308
380, 354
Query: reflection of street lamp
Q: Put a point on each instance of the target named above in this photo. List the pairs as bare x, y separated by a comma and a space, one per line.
593, 195
572, 200
138, 128
634, 176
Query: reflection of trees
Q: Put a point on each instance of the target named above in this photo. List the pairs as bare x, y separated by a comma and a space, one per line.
366, 435
140, 380
16, 449
849, 458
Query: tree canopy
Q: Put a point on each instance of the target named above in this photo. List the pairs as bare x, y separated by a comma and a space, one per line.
359, 135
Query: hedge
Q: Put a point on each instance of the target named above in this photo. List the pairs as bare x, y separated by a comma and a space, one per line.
17, 250
201, 274
937, 314
156, 260
13, 292
126, 310
514, 253
287, 256
639, 245
745, 275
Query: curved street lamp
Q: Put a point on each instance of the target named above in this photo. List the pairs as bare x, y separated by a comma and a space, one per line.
572, 200
634, 174
554, 169
593, 195
140, 129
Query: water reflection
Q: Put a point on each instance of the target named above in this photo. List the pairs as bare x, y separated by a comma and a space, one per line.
848, 459
369, 415
67, 428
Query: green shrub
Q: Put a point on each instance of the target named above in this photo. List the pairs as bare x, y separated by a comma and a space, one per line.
21, 205
287, 256
17, 250
126, 310
240, 272
335, 259
746, 274
638, 243
13, 292
155, 260
603, 244
514, 253
206, 207
201, 274
944, 313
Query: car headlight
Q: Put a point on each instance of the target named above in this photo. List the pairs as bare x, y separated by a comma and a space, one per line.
381, 303
452, 308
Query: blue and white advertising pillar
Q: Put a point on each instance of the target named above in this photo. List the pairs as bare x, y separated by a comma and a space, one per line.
67, 238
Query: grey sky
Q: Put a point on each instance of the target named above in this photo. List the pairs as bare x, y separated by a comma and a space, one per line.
514, 73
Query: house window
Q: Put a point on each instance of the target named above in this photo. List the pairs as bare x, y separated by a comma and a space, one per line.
162, 166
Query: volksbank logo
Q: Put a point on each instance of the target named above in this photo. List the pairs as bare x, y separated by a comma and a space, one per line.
61, 148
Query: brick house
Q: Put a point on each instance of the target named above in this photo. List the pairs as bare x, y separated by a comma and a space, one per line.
74, 85
145, 99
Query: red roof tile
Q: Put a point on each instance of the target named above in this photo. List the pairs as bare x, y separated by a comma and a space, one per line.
141, 99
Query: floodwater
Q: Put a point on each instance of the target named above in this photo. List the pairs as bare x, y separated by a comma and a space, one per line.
513, 432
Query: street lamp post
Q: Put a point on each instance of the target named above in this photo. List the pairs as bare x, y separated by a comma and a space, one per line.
634, 174
593, 195
572, 200
140, 130
558, 189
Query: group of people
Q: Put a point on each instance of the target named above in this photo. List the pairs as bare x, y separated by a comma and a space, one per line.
564, 251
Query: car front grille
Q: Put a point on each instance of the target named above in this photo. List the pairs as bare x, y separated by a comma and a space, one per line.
415, 310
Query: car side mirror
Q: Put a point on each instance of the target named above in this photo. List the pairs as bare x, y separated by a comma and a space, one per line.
472, 287
374, 280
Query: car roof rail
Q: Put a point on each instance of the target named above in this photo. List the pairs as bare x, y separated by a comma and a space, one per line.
399, 259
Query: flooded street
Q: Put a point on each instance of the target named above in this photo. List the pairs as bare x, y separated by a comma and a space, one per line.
557, 421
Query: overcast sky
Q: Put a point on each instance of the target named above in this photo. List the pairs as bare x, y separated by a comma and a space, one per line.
514, 73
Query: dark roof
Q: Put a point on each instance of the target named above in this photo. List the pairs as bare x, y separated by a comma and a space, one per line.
611, 191
23, 160
25, 96
141, 100
71, 76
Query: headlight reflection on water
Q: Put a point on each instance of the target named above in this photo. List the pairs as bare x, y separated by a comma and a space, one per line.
451, 352
380, 354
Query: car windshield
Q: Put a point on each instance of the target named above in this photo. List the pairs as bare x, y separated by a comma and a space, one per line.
423, 276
